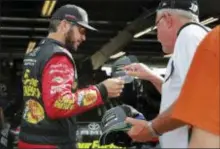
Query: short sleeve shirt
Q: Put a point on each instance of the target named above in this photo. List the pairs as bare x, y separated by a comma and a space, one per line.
185, 47
198, 103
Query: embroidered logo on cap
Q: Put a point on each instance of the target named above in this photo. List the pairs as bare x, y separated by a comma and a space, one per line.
164, 4
194, 7
70, 16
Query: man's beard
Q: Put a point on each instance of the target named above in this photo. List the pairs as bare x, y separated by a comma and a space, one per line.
69, 44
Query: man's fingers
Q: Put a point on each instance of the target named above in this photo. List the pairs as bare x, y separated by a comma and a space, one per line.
130, 67
127, 67
132, 73
130, 120
119, 87
119, 81
116, 91
130, 133
114, 95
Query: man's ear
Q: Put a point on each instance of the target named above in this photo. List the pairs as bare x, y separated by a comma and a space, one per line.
64, 26
169, 19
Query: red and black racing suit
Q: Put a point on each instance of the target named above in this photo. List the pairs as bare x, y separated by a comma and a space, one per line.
59, 101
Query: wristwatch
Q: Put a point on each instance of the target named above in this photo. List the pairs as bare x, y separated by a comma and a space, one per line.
152, 130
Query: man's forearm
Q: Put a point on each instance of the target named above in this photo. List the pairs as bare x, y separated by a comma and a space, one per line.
157, 81
164, 122
203, 139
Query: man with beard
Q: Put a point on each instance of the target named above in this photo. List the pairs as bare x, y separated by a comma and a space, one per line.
52, 99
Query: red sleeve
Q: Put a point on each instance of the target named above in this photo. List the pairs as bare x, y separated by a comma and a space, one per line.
57, 84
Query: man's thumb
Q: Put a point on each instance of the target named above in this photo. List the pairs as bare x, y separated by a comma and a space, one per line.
130, 120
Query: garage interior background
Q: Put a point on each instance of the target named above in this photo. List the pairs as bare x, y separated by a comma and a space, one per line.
126, 27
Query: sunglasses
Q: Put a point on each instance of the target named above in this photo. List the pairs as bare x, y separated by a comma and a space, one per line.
81, 29
158, 21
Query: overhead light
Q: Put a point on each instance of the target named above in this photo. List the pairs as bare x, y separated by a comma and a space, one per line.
107, 69
117, 55
145, 31
48, 7
53, 3
209, 20
30, 46
45, 7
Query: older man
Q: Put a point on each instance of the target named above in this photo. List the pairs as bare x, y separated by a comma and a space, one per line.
180, 33
201, 90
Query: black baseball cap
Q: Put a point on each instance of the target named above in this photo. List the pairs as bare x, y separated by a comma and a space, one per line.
187, 5
73, 14
113, 125
115, 128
